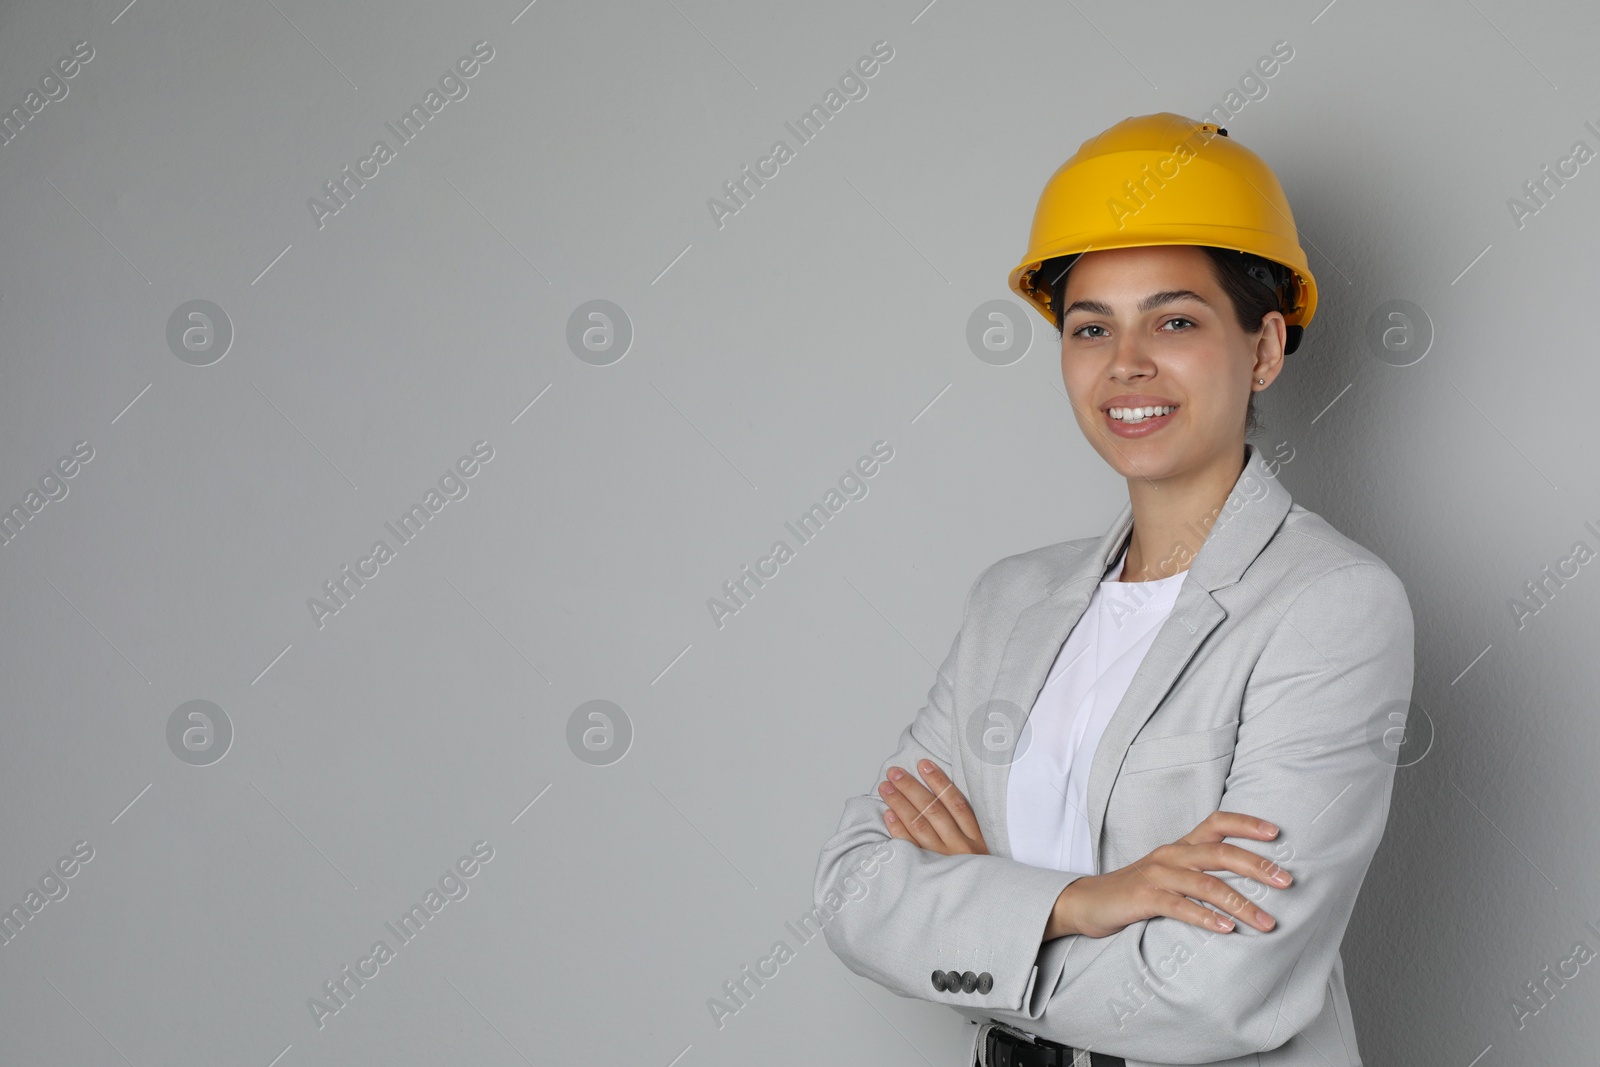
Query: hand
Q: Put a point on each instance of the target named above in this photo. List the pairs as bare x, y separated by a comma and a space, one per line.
1164, 881
935, 817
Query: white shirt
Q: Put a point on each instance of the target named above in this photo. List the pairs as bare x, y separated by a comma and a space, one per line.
1047, 792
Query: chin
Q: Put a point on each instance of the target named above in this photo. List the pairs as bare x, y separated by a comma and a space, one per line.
1151, 464
1152, 458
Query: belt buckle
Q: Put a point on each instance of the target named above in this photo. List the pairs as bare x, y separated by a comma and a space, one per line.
1079, 1057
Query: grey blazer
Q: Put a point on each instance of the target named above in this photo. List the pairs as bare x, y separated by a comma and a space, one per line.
1277, 687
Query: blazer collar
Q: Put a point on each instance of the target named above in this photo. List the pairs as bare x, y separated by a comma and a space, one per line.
1252, 514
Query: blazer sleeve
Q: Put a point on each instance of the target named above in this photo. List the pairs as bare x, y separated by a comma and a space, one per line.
1334, 677
921, 911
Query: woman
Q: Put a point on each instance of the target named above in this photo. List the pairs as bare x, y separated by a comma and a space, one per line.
1085, 839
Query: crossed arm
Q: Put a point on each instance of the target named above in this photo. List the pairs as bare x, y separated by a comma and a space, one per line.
936, 816
1158, 988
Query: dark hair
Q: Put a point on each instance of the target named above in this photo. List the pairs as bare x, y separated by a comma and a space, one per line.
1253, 285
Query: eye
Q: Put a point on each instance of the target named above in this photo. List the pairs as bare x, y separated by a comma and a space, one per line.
1090, 326
1178, 318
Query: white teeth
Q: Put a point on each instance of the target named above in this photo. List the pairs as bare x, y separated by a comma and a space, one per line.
1137, 415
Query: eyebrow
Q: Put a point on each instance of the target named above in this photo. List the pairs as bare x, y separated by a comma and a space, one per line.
1154, 300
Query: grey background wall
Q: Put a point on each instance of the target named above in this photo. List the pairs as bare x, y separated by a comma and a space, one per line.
229, 458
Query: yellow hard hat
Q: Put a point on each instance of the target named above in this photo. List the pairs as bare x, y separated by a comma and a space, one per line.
1165, 179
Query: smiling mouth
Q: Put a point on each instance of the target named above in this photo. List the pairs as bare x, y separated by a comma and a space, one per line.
1135, 416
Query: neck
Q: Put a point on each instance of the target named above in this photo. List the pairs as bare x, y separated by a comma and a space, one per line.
1172, 516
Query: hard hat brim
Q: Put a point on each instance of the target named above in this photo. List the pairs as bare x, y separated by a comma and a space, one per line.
1253, 241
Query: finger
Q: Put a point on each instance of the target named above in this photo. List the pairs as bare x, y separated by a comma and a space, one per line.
895, 827
953, 799
1193, 861
1221, 824
898, 806
931, 812
1209, 889
1225, 857
1162, 893
1180, 907
922, 812
910, 816
1220, 856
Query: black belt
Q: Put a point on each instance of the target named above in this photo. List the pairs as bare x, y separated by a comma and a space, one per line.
1004, 1049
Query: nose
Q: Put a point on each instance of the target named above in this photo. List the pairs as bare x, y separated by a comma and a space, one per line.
1129, 359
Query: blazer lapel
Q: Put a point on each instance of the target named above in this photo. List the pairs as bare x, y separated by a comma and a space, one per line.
1194, 615
1254, 510
1031, 648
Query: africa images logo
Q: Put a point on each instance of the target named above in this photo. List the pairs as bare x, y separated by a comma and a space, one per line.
452, 486
452, 87
339, 991
852, 486
852, 84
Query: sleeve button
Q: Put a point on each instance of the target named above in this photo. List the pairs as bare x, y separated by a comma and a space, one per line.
985, 982
969, 982
939, 982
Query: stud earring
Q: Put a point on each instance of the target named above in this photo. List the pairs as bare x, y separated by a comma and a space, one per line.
1261, 381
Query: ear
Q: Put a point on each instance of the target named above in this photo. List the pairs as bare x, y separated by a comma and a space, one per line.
1271, 343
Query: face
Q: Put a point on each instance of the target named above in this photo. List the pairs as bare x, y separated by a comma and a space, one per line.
1151, 327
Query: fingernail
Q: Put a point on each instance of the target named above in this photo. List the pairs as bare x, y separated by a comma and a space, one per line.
1268, 828
1282, 878
897, 774
926, 767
